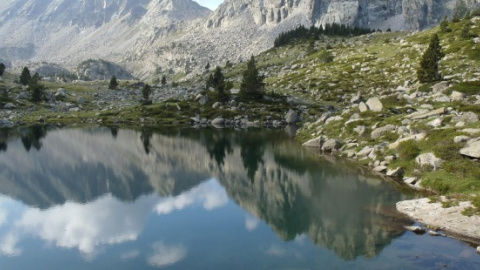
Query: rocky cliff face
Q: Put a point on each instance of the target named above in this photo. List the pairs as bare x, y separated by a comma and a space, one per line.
151, 37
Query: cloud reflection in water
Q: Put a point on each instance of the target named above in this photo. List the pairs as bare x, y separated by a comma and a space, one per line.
105, 221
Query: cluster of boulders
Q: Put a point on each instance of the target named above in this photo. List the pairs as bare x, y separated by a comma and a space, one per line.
388, 134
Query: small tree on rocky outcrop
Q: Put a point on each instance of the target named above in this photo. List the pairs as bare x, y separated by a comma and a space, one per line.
217, 81
2, 69
113, 83
252, 86
444, 26
25, 76
164, 80
35, 88
146, 91
428, 70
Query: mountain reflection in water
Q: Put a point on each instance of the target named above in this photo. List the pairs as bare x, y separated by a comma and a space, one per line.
86, 188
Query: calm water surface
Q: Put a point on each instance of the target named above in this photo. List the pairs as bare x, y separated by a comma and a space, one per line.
106, 198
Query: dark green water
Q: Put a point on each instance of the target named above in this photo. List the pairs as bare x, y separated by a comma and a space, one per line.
99, 198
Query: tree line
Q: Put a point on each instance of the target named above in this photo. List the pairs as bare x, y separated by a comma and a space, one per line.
302, 33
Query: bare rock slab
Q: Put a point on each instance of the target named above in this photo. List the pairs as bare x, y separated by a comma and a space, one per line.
374, 104
449, 220
471, 150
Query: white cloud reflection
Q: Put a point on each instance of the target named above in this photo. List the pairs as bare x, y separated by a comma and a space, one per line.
210, 194
105, 221
164, 255
251, 223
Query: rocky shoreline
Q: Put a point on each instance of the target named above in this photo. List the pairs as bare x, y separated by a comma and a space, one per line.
449, 220
381, 146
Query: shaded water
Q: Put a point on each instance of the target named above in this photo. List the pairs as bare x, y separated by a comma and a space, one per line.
99, 198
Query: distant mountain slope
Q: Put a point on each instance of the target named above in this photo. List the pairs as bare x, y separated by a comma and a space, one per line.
152, 37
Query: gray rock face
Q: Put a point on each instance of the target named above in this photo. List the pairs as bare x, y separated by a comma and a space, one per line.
291, 117
9, 106
378, 132
203, 100
471, 150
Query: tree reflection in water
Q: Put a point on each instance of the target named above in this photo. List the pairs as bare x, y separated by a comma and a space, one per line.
263, 171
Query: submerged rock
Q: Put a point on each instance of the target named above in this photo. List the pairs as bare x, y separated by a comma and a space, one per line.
416, 229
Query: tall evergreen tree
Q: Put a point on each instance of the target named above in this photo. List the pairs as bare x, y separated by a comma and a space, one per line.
164, 80
252, 83
146, 91
428, 70
113, 83
2, 69
25, 76
444, 26
35, 88
217, 81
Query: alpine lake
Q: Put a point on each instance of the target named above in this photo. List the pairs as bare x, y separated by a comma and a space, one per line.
187, 198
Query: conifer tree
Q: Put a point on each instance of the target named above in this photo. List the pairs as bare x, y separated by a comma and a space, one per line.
2, 69
164, 80
25, 76
217, 81
428, 70
146, 91
252, 83
113, 83
444, 26
35, 88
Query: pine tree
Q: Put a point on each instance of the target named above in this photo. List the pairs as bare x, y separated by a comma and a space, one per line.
164, 80
428, 70
252, 83
444, 26
113, 83
217, 81
146, 91
35, 88
2, 69
207, 67
25, 76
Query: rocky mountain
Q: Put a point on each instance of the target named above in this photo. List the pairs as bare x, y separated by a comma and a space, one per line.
153, 37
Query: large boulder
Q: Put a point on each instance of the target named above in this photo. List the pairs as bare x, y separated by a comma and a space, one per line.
466, 117
315, 142
362, 107
472, 149
374, 104
331, 145
203, 100
5, 123
428, 159
219, 121
440, 87
9, 106
291, 117
378, 132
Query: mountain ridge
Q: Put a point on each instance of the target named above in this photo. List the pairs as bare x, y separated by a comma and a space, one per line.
154, 37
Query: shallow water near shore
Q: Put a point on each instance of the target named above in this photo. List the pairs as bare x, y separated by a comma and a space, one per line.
109, 198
